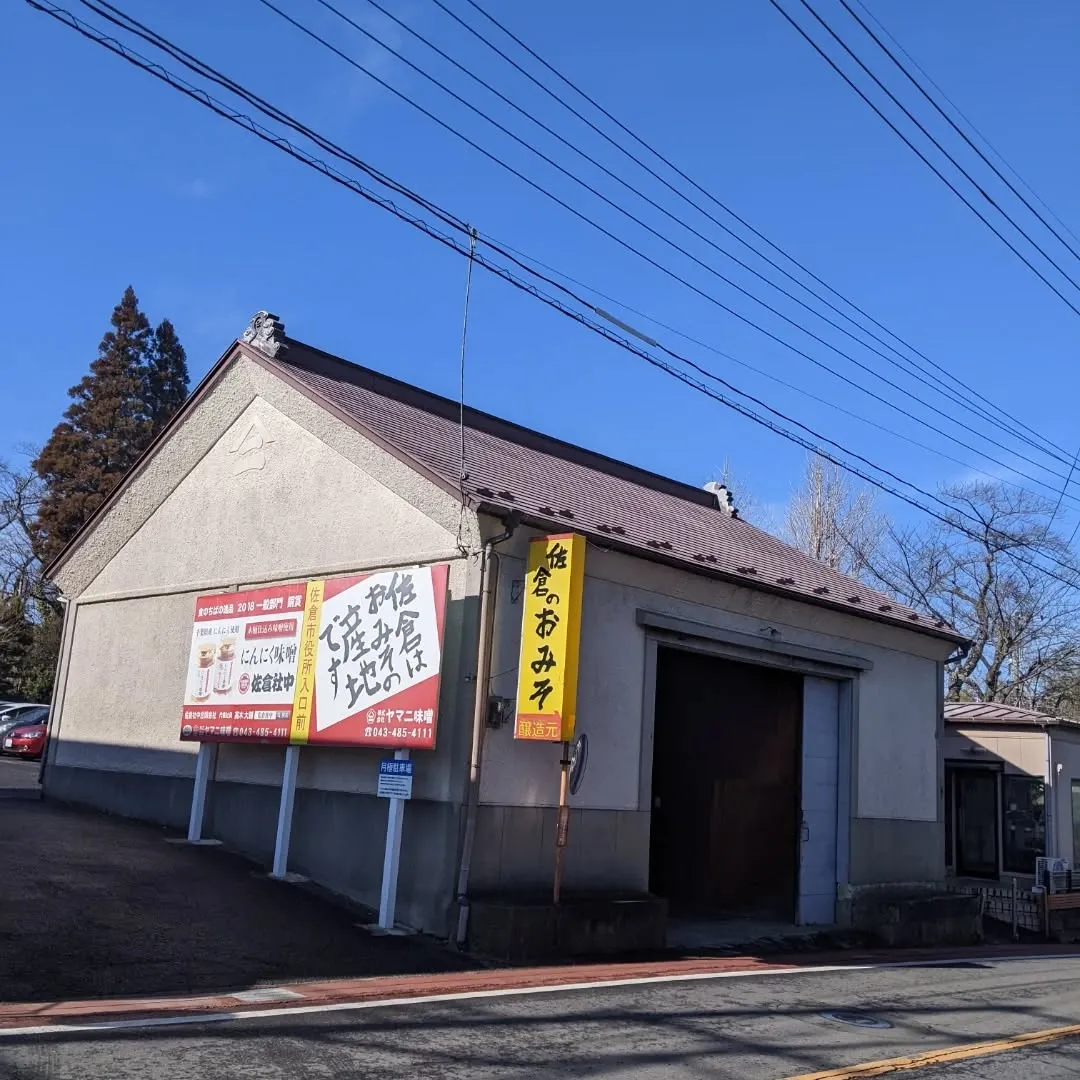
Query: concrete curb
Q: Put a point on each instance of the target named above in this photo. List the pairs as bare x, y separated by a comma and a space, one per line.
61, 1014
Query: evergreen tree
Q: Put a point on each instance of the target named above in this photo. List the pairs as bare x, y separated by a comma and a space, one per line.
38, 668
166, 383
134, 386
15, 641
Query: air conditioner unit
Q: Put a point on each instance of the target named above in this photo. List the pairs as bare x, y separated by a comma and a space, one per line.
1053, 875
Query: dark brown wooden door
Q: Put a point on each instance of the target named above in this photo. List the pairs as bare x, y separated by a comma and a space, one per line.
725, 815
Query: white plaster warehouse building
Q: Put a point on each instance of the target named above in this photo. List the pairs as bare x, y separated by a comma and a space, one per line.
764, 732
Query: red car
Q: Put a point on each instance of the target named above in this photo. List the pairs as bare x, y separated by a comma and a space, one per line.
26, 741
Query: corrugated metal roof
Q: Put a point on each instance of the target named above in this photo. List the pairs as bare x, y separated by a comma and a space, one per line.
510, 467
993, 712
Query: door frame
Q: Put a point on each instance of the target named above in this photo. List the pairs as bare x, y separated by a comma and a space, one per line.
673, 633
997, 770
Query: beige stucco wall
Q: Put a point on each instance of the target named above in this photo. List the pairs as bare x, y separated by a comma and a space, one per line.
1024, 752
1020, 751
258, 485
897, 734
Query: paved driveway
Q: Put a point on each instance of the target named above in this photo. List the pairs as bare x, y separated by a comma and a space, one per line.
92, 905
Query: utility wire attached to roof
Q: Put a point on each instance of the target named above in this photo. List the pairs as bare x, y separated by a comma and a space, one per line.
463, 474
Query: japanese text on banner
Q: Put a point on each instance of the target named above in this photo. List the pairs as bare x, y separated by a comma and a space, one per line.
305, 681
550, 637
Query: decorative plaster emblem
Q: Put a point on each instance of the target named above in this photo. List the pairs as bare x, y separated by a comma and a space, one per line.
264, 333
249, 453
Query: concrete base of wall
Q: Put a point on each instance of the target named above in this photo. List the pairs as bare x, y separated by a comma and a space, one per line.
911, 917
528, 930
338, 838
607, 853
890, 850
164, 800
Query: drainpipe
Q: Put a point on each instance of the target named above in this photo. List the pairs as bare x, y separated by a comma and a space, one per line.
489, 578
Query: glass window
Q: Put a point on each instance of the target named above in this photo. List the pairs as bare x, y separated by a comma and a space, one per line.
1024, 824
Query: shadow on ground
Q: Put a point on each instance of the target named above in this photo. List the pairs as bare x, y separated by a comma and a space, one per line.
96, 906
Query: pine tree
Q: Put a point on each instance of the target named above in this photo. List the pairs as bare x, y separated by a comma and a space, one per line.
134, 386
166, 383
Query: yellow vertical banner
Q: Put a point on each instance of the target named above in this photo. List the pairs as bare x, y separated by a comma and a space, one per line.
305, 668
550, 639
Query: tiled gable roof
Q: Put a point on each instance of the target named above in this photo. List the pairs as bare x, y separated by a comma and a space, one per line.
555, 484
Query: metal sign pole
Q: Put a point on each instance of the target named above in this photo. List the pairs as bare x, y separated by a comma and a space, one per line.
204, 769
392, 856
563, 827
285, 812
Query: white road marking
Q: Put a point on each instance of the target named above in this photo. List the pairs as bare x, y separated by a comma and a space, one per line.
263, 994
514, 991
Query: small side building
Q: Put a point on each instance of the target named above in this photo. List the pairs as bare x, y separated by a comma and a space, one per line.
1012, 789
764, 733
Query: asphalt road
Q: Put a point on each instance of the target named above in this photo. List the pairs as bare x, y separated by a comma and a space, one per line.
19, 778
761, 1026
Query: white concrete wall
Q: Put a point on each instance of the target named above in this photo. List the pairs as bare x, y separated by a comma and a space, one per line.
896, 740
1020, 751
259, 485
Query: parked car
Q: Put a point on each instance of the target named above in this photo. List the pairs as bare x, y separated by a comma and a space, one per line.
21, 714
11, 708
27, 740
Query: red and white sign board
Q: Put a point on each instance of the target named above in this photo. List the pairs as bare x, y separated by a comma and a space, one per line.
242, 666
351, 661
379, 659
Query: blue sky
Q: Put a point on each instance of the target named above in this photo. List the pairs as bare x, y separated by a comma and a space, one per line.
115, 179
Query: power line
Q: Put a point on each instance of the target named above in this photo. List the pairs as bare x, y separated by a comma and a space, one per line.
770, 376
967, 120
926, 161
956, 127
965, 402
132, 25
1061, 454
201, 96
667, 270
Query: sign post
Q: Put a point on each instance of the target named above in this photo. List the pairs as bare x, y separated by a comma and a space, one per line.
343, 661
285, 813
548, 666
204, 769
395, 783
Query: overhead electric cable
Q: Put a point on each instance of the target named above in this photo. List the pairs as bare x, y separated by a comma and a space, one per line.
673, 274
959, 130
967, 120
905, 364
926, 161
199, 95
1005, 415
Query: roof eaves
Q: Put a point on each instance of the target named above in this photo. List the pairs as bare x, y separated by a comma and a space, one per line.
605, 541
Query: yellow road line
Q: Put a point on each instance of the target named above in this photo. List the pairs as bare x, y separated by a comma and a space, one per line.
943, 1057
